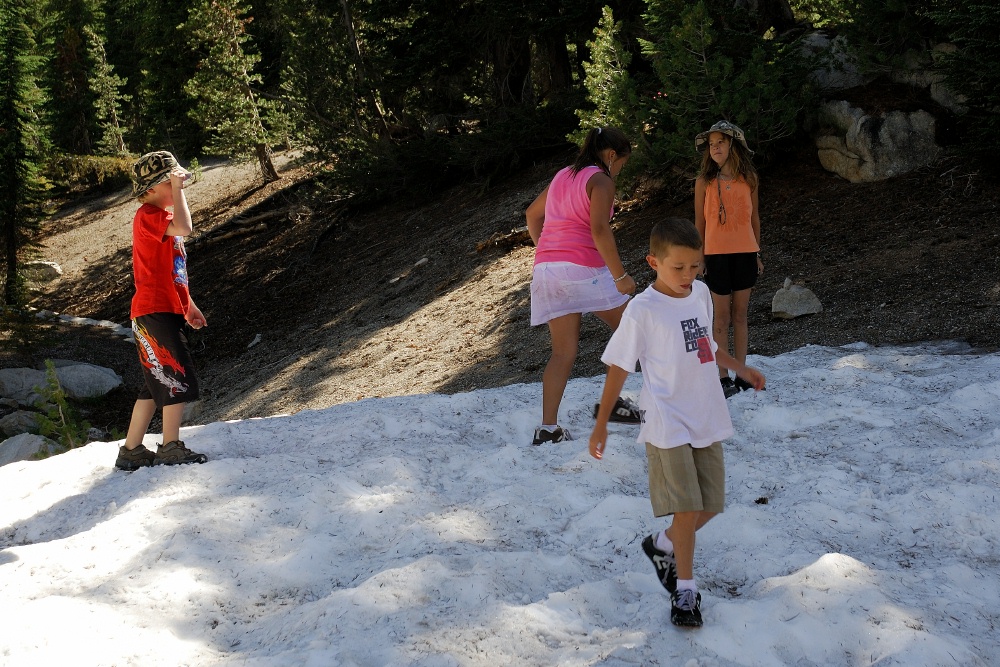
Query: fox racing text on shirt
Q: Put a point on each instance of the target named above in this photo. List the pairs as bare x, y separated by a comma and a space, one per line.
696, 340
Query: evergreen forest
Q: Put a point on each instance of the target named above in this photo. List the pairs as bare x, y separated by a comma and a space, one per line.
402, 99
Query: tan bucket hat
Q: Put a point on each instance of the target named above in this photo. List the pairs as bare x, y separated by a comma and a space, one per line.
725, 127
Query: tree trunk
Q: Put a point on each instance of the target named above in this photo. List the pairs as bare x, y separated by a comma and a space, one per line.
511, 60
560, 73
10, 258
266, 165
362, 78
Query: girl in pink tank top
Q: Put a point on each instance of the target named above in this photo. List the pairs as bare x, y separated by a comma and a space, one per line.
577, 266
725, 213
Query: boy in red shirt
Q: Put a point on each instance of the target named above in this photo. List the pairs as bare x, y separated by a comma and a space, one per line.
160, 308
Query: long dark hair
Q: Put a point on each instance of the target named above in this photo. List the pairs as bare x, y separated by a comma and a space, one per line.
599, 139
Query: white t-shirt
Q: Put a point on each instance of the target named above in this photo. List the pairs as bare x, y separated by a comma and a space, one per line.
681, 395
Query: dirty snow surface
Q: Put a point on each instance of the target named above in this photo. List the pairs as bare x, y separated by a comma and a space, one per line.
861, 528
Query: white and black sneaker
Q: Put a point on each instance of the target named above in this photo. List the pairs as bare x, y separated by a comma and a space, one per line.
666, 566
625, 412
544, 435
685, 608
729, 387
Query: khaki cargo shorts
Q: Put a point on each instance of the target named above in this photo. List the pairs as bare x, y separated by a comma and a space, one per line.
686, 479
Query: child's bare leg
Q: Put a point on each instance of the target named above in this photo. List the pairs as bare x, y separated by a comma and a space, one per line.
612, 317
142, 414
722, 305
741, 336
565, 333
172, 422
682, 533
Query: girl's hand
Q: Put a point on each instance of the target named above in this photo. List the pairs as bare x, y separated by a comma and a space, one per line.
753, 377
760, 266
598, 439
626, 285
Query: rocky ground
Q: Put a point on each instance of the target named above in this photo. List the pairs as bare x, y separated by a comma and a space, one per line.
311, 304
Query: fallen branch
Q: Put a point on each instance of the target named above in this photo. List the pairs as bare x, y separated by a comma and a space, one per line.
516, 236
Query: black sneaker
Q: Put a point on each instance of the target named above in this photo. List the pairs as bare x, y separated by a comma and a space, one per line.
176, 452
624, 412
685, 608
729, 387
743, 385
133, 459
666, 566
558, 434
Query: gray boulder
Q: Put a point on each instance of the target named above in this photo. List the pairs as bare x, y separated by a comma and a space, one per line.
24, 447
918, 71
17, 423
863, 148
837, 69
42, 272
87, 380
78, 380
19, 384
792, 301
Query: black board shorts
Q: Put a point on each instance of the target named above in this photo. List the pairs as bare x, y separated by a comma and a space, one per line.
167, 366
725, 274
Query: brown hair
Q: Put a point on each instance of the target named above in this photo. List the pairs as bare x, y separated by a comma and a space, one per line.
739, 158
673, 232
597, 140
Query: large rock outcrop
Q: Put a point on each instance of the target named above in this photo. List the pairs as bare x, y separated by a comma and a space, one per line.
864, 148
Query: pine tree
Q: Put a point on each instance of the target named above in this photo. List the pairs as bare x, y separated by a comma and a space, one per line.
713, 62
227, 105
22, 142
161, 116
107, 99
973, 71
67, 74
609, 87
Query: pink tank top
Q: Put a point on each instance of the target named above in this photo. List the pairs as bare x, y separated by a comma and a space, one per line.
566, 235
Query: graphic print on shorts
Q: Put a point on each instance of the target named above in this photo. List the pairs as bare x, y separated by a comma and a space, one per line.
696, 340
157, 360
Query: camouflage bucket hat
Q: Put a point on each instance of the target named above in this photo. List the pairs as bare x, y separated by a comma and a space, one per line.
725, 127
150, 170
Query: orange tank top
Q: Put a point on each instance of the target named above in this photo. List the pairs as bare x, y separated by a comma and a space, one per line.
727, 227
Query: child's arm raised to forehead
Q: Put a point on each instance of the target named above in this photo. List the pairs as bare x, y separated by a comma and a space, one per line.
181, 224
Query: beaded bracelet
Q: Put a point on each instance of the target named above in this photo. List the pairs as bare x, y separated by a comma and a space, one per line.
622, 277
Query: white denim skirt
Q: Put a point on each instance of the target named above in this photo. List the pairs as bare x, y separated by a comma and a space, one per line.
561, 288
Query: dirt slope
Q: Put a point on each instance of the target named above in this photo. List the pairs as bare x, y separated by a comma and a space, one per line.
398, 300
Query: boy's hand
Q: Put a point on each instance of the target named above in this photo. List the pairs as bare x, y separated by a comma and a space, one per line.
598, 440
178, 176
754, 377
195, 317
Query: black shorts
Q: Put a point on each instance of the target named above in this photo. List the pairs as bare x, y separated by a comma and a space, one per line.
725, 274
167, 367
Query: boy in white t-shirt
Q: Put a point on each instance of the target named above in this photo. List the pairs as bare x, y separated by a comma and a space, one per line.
668, 330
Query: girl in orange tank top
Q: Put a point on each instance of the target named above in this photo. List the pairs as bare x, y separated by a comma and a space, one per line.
726, 215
